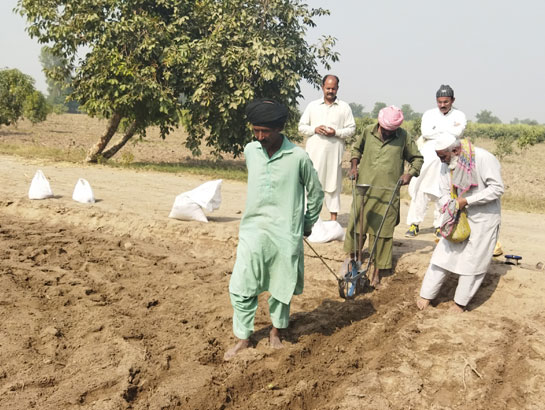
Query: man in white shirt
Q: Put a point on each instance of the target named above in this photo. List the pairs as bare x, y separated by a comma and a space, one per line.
327, 122
474, 175
425, 188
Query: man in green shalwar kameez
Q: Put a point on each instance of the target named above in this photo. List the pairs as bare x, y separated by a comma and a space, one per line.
381, 151
270, 249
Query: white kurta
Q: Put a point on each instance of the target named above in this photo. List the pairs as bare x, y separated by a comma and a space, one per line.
326, 152
434, 122
472, 257
427, 183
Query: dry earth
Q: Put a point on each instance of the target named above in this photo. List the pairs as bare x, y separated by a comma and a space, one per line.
113, 305
116, 306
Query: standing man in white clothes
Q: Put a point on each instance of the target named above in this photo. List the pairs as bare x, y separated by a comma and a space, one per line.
327, 122
444, 118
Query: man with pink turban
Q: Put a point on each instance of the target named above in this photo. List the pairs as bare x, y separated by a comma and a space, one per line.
381, 151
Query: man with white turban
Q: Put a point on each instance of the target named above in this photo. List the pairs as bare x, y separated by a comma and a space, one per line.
470, 179
381, 151
327, 122
425, 188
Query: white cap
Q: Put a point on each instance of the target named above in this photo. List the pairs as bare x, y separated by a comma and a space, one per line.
444, 140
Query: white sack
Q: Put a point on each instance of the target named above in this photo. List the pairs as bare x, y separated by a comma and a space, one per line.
326, 231
186, 209
207, 195
39, 187
83, 192
188, 206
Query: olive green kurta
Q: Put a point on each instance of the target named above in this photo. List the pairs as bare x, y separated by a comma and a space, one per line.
381, 164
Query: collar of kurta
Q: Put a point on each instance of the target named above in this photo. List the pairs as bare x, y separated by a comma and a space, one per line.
286, 148
447, 114
333, 103
376, 133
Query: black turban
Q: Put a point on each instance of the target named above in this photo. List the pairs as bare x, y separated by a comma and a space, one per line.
444, 91
265, 112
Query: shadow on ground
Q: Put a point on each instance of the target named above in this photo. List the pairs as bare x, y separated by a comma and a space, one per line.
326, 319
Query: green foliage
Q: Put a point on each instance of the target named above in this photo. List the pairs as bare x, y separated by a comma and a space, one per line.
486, 117
409, 114
413, 127
505, 134
249, 49
35, 107
18, 98
504, 146
159, 62
58, 91
527, 121
362, 123
378, 106
357, 110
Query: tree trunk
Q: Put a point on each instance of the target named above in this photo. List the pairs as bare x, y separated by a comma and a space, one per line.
121, 142
96, 150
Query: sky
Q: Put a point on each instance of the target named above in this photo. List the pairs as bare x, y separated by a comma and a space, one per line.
491, 52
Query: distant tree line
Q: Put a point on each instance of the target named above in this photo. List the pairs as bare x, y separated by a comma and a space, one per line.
408, 113
483, 117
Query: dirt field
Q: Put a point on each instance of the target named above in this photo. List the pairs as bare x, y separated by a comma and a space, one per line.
116, 306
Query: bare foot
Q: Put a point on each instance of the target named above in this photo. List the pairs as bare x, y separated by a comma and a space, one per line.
333, 216
456, 308
274, 339
241, 345
422, 303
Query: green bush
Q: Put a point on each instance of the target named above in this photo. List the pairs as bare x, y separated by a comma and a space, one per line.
35, 107
18, 98
523, 134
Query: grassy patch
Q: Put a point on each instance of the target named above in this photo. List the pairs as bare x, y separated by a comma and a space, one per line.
522, 203
214, 169
224, 169
43, 152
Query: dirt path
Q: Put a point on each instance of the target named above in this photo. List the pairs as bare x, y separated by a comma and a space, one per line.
114, 305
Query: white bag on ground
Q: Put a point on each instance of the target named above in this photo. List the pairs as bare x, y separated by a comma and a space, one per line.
39, 187
326, 231
189, 205
83, 192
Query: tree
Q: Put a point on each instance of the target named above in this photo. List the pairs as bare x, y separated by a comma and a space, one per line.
526, 121
378, 106
357, 110
58, 91
409, 114
486, 117
159, 62
18, 98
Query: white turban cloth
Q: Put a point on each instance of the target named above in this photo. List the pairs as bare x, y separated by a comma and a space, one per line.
443, 140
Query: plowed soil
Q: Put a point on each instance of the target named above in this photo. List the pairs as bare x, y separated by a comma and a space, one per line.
115, 306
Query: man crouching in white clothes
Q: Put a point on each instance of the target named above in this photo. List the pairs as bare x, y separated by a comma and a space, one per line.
476, 176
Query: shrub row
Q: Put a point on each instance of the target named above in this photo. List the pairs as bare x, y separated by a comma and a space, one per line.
523, 134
